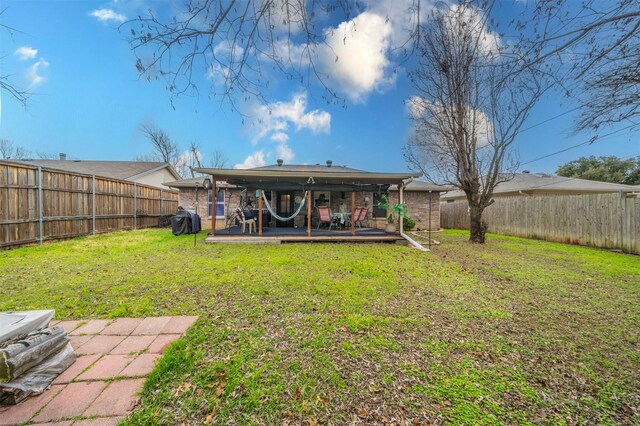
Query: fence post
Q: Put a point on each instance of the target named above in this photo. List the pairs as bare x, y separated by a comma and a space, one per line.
40, 207
135, 205
93, 202
623, 215
160, 205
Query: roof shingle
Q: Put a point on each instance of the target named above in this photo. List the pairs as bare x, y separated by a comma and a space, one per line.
111, 169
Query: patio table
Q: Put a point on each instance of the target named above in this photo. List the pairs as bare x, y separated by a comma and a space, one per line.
342, 217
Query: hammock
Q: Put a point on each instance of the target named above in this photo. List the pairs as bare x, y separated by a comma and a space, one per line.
280, 218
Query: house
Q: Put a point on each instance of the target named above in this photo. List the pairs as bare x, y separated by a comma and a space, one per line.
143, 172
286, 187
527, 184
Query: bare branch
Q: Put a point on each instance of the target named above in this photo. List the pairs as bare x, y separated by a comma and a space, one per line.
592, 49
219, 160
243, 46
11, 151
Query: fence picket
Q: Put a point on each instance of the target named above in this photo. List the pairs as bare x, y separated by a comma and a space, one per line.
600, 220
39, 204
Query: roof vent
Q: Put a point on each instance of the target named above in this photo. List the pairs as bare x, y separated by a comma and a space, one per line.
280, 162
526, 172
329, 163
63, 156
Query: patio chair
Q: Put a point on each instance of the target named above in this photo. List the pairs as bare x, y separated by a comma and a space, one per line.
362, 217
245, 221
325, 216
354, 219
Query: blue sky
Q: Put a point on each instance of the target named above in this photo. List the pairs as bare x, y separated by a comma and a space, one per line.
88, 101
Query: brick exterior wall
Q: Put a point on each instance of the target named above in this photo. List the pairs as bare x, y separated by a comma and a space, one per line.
417, 204
187, 200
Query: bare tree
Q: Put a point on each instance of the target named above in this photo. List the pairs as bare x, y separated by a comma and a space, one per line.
6, 82
469, 106
219, 160
239, 44
164, 149
46, 155
190, 159
10, 151
592, 48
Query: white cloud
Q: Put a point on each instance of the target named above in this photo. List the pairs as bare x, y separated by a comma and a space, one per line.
356, 56
254, 160
279, 137
34, 73
274, 122
274, 119
467, 19
106, 15
25, 52
285, 153
228, 49
418, 107
402, 16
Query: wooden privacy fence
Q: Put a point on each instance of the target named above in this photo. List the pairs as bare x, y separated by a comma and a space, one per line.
600, 220
39, 204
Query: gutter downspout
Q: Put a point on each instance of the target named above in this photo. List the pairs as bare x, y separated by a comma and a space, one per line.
411, 241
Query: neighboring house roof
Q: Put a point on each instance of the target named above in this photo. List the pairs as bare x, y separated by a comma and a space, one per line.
124, 170
542, 182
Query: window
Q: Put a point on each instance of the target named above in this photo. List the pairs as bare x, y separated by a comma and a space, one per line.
322, 198
219, 203
377, 211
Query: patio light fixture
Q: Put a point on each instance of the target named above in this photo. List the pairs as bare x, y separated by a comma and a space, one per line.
206, 183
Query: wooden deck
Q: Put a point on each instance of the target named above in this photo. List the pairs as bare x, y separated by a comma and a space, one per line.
299, 235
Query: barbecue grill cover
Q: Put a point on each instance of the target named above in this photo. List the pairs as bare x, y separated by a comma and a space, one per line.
185, 222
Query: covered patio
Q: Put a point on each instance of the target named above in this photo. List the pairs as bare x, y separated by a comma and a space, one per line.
291, 199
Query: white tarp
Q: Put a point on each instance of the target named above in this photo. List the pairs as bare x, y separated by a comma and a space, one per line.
23, 322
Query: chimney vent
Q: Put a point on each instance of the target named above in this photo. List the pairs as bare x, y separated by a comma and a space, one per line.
63, 156
280, 162
329, 163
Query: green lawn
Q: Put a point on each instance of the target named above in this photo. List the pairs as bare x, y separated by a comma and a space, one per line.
515, 331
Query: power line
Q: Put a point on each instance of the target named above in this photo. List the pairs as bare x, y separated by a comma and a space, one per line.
630, 156
549, 119
598, 139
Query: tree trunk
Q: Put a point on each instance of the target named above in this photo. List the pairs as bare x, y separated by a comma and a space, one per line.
477, 226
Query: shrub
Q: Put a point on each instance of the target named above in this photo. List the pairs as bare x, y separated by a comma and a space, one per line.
408, 223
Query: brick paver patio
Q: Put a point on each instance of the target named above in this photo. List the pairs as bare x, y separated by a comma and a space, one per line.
101, 387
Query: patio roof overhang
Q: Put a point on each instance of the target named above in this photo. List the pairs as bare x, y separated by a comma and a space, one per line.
312, 179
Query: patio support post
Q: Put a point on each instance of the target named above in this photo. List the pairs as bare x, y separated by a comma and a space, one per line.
260, 212
214, 198
353, 212
309, 213
400, 200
